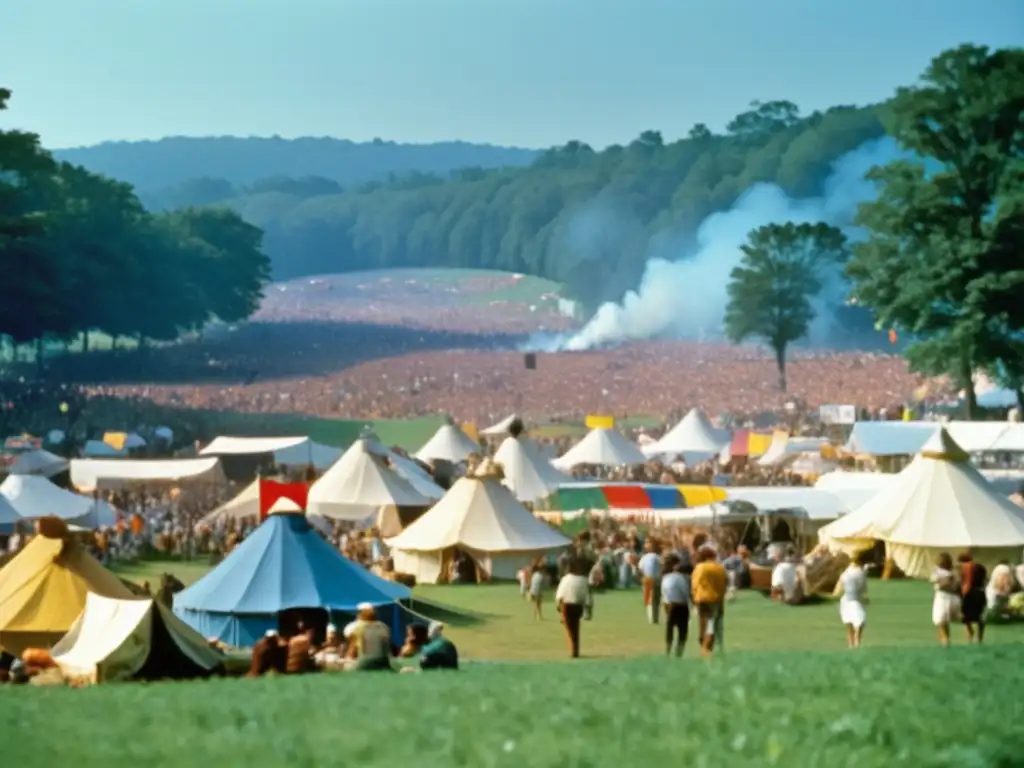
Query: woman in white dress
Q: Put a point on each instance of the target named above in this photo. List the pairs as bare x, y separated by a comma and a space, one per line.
946, 603
852, 590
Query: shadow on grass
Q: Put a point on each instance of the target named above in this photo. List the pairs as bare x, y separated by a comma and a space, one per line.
446, 614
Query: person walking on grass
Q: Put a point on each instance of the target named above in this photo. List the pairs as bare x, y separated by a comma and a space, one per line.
973, 601
537, 590
852, 590
573, 598
946, 603
710, 583
675, 594
650, 569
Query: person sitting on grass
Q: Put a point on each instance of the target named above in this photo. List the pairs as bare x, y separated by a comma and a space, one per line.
300, 651
439, 652
268, 655
787, 584
369, 641
415, 639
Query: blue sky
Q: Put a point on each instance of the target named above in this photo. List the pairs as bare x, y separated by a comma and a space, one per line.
522, 72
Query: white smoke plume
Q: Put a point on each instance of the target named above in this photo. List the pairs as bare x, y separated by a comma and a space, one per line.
688, 297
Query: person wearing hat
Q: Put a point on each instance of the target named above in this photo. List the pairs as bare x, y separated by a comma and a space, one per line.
439, 652
268, 655
369, 641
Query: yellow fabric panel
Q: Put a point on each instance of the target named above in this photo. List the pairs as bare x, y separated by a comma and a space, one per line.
471, 431
43, 590
757, 444
597, 421
699, 495
115, 440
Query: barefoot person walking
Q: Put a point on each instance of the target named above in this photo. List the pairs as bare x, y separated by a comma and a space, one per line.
710, 583
852, 590
572, 599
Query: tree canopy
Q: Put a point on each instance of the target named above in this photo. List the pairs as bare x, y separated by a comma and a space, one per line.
781, 271
81, 253
942, 255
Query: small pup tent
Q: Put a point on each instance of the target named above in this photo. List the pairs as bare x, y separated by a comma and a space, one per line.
283, 565
132, 640
480, 517
450, 444
601, 447
44, 588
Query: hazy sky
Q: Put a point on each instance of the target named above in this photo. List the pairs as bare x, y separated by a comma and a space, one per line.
523, 72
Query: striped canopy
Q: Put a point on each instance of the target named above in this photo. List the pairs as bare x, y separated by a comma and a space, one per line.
569, 498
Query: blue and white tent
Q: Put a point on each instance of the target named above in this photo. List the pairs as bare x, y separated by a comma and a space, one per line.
284, 564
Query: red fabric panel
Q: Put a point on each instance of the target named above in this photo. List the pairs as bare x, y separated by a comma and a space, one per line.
740, 443
626, 497
271, 491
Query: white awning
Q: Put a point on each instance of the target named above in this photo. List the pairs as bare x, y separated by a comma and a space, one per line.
90, 474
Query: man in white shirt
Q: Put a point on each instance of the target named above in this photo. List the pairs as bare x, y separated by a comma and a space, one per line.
786, 581
572, 598
650, 572
675, 594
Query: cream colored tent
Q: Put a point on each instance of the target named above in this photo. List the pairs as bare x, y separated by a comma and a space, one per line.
245, 505
501, 428
694, 435
480, 517
527, 473
601, 447
450, 444
939, 503
289, 451
359, 484
132, 639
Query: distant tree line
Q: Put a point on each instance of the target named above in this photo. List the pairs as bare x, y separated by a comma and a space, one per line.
80, 253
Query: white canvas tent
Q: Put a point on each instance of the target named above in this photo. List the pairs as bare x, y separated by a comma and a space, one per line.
112, 474
785, 449
501, 428
528, 474
482, 518
694, 435
412, 472
32, 497
39, 462
601, 447
132, 639
939, 503
245, 505
450, 444
290, 451
359, 484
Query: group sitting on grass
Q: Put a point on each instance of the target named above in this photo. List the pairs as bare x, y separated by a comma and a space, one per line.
363, 646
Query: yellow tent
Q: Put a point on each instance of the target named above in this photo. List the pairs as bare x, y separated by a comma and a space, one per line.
44, 587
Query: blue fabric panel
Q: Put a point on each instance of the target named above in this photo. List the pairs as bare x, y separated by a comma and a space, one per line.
664, 497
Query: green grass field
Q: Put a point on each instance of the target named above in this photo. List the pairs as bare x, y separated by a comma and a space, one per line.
921, 707
499, 623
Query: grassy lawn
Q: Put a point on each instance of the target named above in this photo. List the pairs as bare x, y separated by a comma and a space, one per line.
921, 707
499, 624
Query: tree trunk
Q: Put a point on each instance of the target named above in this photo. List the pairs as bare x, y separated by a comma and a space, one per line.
40, 354
971, 398
780, 362
85, 342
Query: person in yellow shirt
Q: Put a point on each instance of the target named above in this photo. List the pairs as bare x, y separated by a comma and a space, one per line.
710, 583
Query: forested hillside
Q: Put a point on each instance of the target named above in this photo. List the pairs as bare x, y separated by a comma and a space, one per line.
178, 171
588, 218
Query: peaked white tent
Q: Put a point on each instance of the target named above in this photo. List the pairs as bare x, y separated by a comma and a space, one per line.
360, 483
293, 451
480, 517
501, 428
693, 435
603, 447
245, 505
132, 639
39, 462
785, 449
32, 497
417, 476
939, 503
527, 473
449, 443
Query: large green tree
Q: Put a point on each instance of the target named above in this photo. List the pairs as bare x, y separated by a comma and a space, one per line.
772, 288
942, 256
